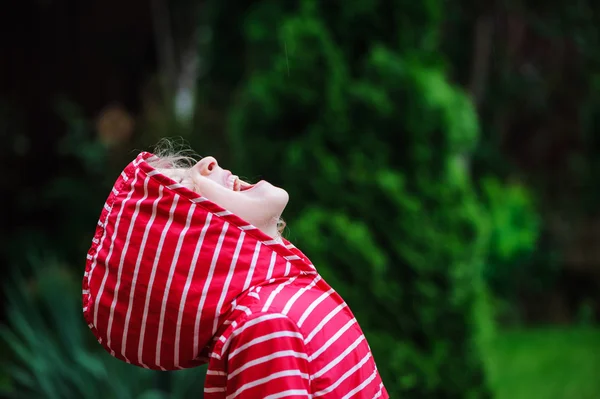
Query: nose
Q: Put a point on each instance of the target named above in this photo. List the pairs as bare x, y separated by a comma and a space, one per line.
206, 166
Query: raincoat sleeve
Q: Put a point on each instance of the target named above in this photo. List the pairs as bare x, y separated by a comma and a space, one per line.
267, 359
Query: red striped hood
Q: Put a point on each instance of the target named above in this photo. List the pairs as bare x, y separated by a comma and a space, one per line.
165, 267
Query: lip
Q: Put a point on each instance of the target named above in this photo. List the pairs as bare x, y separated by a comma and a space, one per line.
253, 186
226, 177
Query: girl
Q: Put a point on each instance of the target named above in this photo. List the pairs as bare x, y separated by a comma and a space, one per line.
187, 266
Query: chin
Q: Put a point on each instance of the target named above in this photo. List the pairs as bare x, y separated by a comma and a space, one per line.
278, 196
272, 199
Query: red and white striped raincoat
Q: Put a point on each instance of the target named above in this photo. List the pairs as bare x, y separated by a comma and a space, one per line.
173, 281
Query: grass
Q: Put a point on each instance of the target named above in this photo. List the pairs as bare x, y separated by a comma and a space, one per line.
548, 363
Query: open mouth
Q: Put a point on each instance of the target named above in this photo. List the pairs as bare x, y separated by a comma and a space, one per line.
235, 184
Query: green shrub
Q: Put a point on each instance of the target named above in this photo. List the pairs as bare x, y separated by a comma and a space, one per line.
372, 142
514, 236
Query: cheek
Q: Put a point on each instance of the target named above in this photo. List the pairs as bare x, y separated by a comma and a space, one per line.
220, 195
256, 207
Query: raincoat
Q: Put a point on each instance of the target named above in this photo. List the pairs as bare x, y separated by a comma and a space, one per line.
174, 281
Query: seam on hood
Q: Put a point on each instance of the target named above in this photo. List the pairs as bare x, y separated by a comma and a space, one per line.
99, 236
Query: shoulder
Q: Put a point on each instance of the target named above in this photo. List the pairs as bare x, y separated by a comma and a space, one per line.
258, 331
297, 298
261, 322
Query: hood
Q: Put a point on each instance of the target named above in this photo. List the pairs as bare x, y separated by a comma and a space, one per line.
166, 265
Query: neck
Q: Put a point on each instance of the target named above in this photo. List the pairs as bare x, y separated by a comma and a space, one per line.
270, 228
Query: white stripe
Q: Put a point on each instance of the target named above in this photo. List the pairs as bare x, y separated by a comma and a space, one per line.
264, 359
85, 308
100, 224
289, 392
138, 262
170, 280
223, 213
250, 323
343, 377
325, 320
362, 386
89, 257
271, 242
213, 372
211, 271
230, 274
247, 227
312, 307
188, 283
380, 391
243, 309
214, 390
252, 266
85, 292
152, 276
292, 257
122, 261
199, 199
293, 299
271, 265
290, 246
288, 267
274, 376
124, 176
338, 359
95, 240
112, 246
174, 186
106, 207
153, 173
276, 292
85, 274
114, 191
264, 338
104, 233
331, 340
254, 295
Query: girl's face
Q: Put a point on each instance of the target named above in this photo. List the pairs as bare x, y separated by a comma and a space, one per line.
260, 204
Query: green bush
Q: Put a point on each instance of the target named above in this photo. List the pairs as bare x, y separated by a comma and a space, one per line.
373, 144
515, 231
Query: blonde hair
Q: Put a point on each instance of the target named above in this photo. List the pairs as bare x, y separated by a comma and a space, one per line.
173, 155
175, 160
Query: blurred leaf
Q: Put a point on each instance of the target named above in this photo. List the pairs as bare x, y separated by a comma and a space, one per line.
372, 140
50, 356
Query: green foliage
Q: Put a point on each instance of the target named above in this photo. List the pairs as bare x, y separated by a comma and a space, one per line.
374, 149
515, 233
549, 363
53, 354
